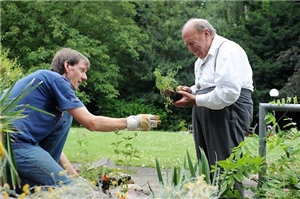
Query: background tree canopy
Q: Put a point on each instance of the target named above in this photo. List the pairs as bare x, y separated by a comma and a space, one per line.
126, 41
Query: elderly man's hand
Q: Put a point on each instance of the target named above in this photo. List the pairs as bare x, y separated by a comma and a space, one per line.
188, 100
183, 88
143, 122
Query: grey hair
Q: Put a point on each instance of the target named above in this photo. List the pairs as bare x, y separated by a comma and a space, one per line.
200, 24
71, 56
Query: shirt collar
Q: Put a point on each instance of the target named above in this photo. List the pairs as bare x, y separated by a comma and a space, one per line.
217, 40
214, 45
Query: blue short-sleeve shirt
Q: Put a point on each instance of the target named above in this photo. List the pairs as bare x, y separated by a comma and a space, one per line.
54, 95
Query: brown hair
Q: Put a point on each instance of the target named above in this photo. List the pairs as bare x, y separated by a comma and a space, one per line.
71, 56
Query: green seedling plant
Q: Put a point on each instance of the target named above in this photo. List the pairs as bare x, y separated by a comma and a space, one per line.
125, 152
124, 149
83, 144
91, 174
166, 84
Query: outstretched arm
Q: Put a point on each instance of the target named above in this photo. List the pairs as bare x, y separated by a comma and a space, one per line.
143, 122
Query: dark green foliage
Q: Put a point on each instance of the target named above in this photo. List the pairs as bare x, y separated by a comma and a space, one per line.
126, 41
124, 108
106, 37
269, 31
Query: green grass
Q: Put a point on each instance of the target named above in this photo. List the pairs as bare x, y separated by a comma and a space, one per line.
169, 148
83, 146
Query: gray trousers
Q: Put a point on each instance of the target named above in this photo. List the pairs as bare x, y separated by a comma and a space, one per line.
219, 131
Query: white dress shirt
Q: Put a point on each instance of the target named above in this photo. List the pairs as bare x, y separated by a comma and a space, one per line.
232, 73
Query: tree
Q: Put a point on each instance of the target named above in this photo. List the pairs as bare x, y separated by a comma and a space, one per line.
162, 21
103, 31
291, 57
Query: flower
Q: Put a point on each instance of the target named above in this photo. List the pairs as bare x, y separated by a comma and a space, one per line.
25, 189
2, 151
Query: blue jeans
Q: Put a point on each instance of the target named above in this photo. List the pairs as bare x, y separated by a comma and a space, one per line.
38, 164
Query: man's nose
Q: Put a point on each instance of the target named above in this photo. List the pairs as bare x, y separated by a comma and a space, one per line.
84, 76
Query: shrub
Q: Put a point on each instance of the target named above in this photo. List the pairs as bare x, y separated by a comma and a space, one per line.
8, 68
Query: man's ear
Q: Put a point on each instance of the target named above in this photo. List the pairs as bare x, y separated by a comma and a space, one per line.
66, 66
207, 33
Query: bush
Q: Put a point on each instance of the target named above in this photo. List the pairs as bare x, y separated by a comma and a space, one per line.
9, 68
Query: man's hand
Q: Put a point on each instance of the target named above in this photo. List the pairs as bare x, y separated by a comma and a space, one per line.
188, 100
143, 122
66, 164
183, 88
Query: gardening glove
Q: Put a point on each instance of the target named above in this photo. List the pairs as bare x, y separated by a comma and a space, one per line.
143, 122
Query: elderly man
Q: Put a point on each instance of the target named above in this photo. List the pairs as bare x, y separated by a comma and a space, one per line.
221, 96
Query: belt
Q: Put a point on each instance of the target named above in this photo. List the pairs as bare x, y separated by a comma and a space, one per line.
205, 90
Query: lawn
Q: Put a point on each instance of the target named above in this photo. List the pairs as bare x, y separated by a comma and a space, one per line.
170, 148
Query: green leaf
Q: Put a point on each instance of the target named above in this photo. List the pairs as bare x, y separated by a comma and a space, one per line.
191, 167
174, 178
215, 172
14, 174
205, 166
159, 174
